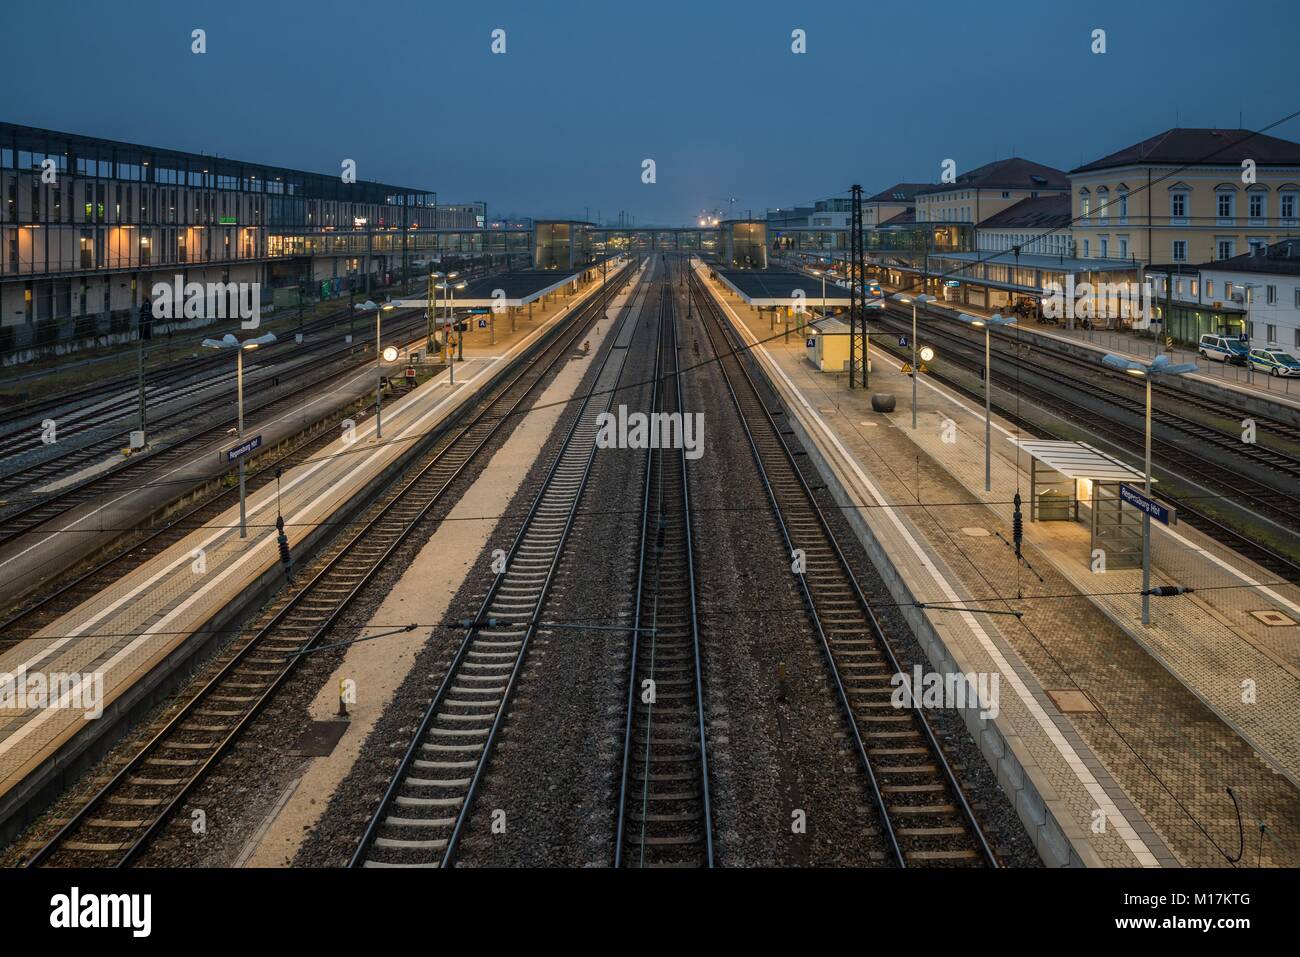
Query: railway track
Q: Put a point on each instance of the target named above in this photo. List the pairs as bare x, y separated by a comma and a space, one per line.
422, 815
120, 820
665, 819
1282, 508
42, 508
48, 606
925, 817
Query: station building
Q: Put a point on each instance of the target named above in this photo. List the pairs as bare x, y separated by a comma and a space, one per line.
1256, 294
88, 225
1179, 197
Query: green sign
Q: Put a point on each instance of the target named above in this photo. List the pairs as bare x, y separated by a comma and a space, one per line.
228, 221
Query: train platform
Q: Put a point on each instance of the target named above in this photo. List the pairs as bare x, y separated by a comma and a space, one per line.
1125, 737
102, 649
30, 559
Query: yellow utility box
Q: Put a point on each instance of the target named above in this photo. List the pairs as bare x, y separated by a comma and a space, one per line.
827, 343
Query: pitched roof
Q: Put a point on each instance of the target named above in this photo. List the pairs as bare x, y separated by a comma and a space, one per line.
1282, 258
898, 193
1034, 212
1013, 173
1186, 146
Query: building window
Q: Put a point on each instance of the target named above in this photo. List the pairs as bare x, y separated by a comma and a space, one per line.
1103, 247
1209, 288
1086, 252
1085, 203
1178, 206
1123, 247
1103, 204
1225, 247
1286, 207
1270, 295
1006, 194
1257, 245
1272, 333
1255, 205
1180, 250
1123, 204
1226, 201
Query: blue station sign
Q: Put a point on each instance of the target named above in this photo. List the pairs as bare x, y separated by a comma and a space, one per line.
1140, 501
239, 451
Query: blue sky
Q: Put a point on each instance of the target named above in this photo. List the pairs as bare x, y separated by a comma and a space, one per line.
586, 90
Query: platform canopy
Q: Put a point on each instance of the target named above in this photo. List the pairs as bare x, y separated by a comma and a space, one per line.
519, 289
1078, 460
769, 287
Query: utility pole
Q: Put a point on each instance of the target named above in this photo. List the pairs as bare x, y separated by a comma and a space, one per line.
857, 293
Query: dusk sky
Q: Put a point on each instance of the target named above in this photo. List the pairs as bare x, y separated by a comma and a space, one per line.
560, 123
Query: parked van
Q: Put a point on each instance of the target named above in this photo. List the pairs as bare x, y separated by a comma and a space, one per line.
1223, 349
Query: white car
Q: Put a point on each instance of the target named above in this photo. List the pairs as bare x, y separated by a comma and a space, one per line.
1274, 362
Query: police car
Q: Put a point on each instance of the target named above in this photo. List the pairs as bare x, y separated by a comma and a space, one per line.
1274, 362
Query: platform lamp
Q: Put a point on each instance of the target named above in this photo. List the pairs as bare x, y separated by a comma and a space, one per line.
449, 291
228, 341
380, 357
923, 299
1159, 366
439, 282
987, 323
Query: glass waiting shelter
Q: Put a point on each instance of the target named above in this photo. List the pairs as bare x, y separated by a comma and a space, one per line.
1072, 482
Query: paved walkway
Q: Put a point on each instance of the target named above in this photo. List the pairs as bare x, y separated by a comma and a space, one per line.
114, 639
1160, 727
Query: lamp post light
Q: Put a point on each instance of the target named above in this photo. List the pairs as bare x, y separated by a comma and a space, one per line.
923, 299
449, 289
445, 278
986, 323
1158, 366
380, 358
228, 341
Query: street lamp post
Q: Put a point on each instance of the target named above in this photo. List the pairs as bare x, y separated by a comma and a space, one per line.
379, 371
1158, 366
449, 295
986, 323
228, 341
923, 299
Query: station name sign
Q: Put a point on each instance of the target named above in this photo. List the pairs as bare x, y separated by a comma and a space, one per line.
1139, 500
239, 451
